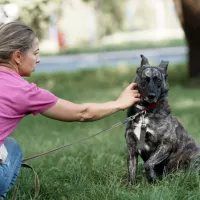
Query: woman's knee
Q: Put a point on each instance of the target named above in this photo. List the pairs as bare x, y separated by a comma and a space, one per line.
11, 168
12, 142
12, 146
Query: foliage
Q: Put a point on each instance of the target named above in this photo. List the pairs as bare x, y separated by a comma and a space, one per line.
110, 15
36, 13
96, 169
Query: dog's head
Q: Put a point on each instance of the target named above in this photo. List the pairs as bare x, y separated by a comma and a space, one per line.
152, 81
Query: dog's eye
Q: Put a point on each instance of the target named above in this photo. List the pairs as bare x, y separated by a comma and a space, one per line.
159, 82
147, 78
155, 78
143, 83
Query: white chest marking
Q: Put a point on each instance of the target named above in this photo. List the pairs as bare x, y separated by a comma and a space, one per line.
137, 130
138, 125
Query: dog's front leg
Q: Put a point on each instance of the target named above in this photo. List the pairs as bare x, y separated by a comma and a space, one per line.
160, 155
132, 163
132, 160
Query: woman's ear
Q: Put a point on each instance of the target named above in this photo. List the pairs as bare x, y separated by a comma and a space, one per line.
17, 57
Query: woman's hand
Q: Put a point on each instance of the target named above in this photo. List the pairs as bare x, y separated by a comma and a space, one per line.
128, 97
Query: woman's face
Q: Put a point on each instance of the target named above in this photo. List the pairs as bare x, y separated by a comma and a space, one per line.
29, 59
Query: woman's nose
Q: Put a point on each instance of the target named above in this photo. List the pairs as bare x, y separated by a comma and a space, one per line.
38, 59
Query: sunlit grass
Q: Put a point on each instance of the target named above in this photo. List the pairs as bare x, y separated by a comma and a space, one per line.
96, 169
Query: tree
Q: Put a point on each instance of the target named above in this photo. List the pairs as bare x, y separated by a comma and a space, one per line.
189, 15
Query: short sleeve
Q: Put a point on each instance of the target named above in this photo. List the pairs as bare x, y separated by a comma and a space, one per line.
38, 99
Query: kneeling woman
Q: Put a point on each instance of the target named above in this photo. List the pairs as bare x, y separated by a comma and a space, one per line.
19, 54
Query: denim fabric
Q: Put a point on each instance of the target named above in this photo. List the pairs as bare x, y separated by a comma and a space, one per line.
11, 168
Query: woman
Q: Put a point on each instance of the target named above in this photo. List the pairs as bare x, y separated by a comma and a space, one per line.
19, 54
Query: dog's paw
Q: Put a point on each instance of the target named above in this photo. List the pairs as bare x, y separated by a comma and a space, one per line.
131, 180
150, 173
151, 179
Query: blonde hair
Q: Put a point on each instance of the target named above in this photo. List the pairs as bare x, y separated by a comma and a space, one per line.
14, 36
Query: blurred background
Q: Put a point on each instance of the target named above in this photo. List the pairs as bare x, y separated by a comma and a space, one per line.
112, 33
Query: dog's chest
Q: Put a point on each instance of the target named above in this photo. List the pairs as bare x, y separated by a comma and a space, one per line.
137, 129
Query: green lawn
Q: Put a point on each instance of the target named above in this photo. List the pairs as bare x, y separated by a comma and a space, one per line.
96, 169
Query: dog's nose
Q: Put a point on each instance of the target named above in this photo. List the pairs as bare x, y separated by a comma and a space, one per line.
151, 96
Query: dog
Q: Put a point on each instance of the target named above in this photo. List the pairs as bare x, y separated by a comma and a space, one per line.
155, 134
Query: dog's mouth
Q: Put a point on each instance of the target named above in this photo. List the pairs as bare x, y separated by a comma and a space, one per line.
150, 100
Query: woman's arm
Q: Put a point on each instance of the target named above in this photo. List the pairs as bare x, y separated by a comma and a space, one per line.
67, 111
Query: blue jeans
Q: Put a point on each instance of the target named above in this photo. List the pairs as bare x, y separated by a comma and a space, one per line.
11, 168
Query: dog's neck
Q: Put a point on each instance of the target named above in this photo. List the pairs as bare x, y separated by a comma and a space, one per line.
148, 107
154, 106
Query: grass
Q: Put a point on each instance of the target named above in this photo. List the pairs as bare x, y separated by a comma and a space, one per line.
96, 169
123, 46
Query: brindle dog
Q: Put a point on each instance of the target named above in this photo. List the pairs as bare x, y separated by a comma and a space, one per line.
166, 145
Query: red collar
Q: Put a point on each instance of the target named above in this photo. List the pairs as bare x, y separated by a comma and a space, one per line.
150, 107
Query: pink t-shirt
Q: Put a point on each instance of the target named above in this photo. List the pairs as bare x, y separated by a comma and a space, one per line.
19, 98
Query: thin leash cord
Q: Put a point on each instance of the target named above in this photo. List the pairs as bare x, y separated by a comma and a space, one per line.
68, 145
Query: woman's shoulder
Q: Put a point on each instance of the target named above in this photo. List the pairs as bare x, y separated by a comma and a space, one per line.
16, 83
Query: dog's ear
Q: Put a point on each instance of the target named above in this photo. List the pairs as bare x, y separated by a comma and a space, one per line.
144, 60
164, 65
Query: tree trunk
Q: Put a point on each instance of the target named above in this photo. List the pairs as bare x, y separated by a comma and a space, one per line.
189, 15
194, 58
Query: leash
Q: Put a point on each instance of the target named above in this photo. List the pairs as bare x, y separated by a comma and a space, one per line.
37, 183
87, 138
143, 111
131, 118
